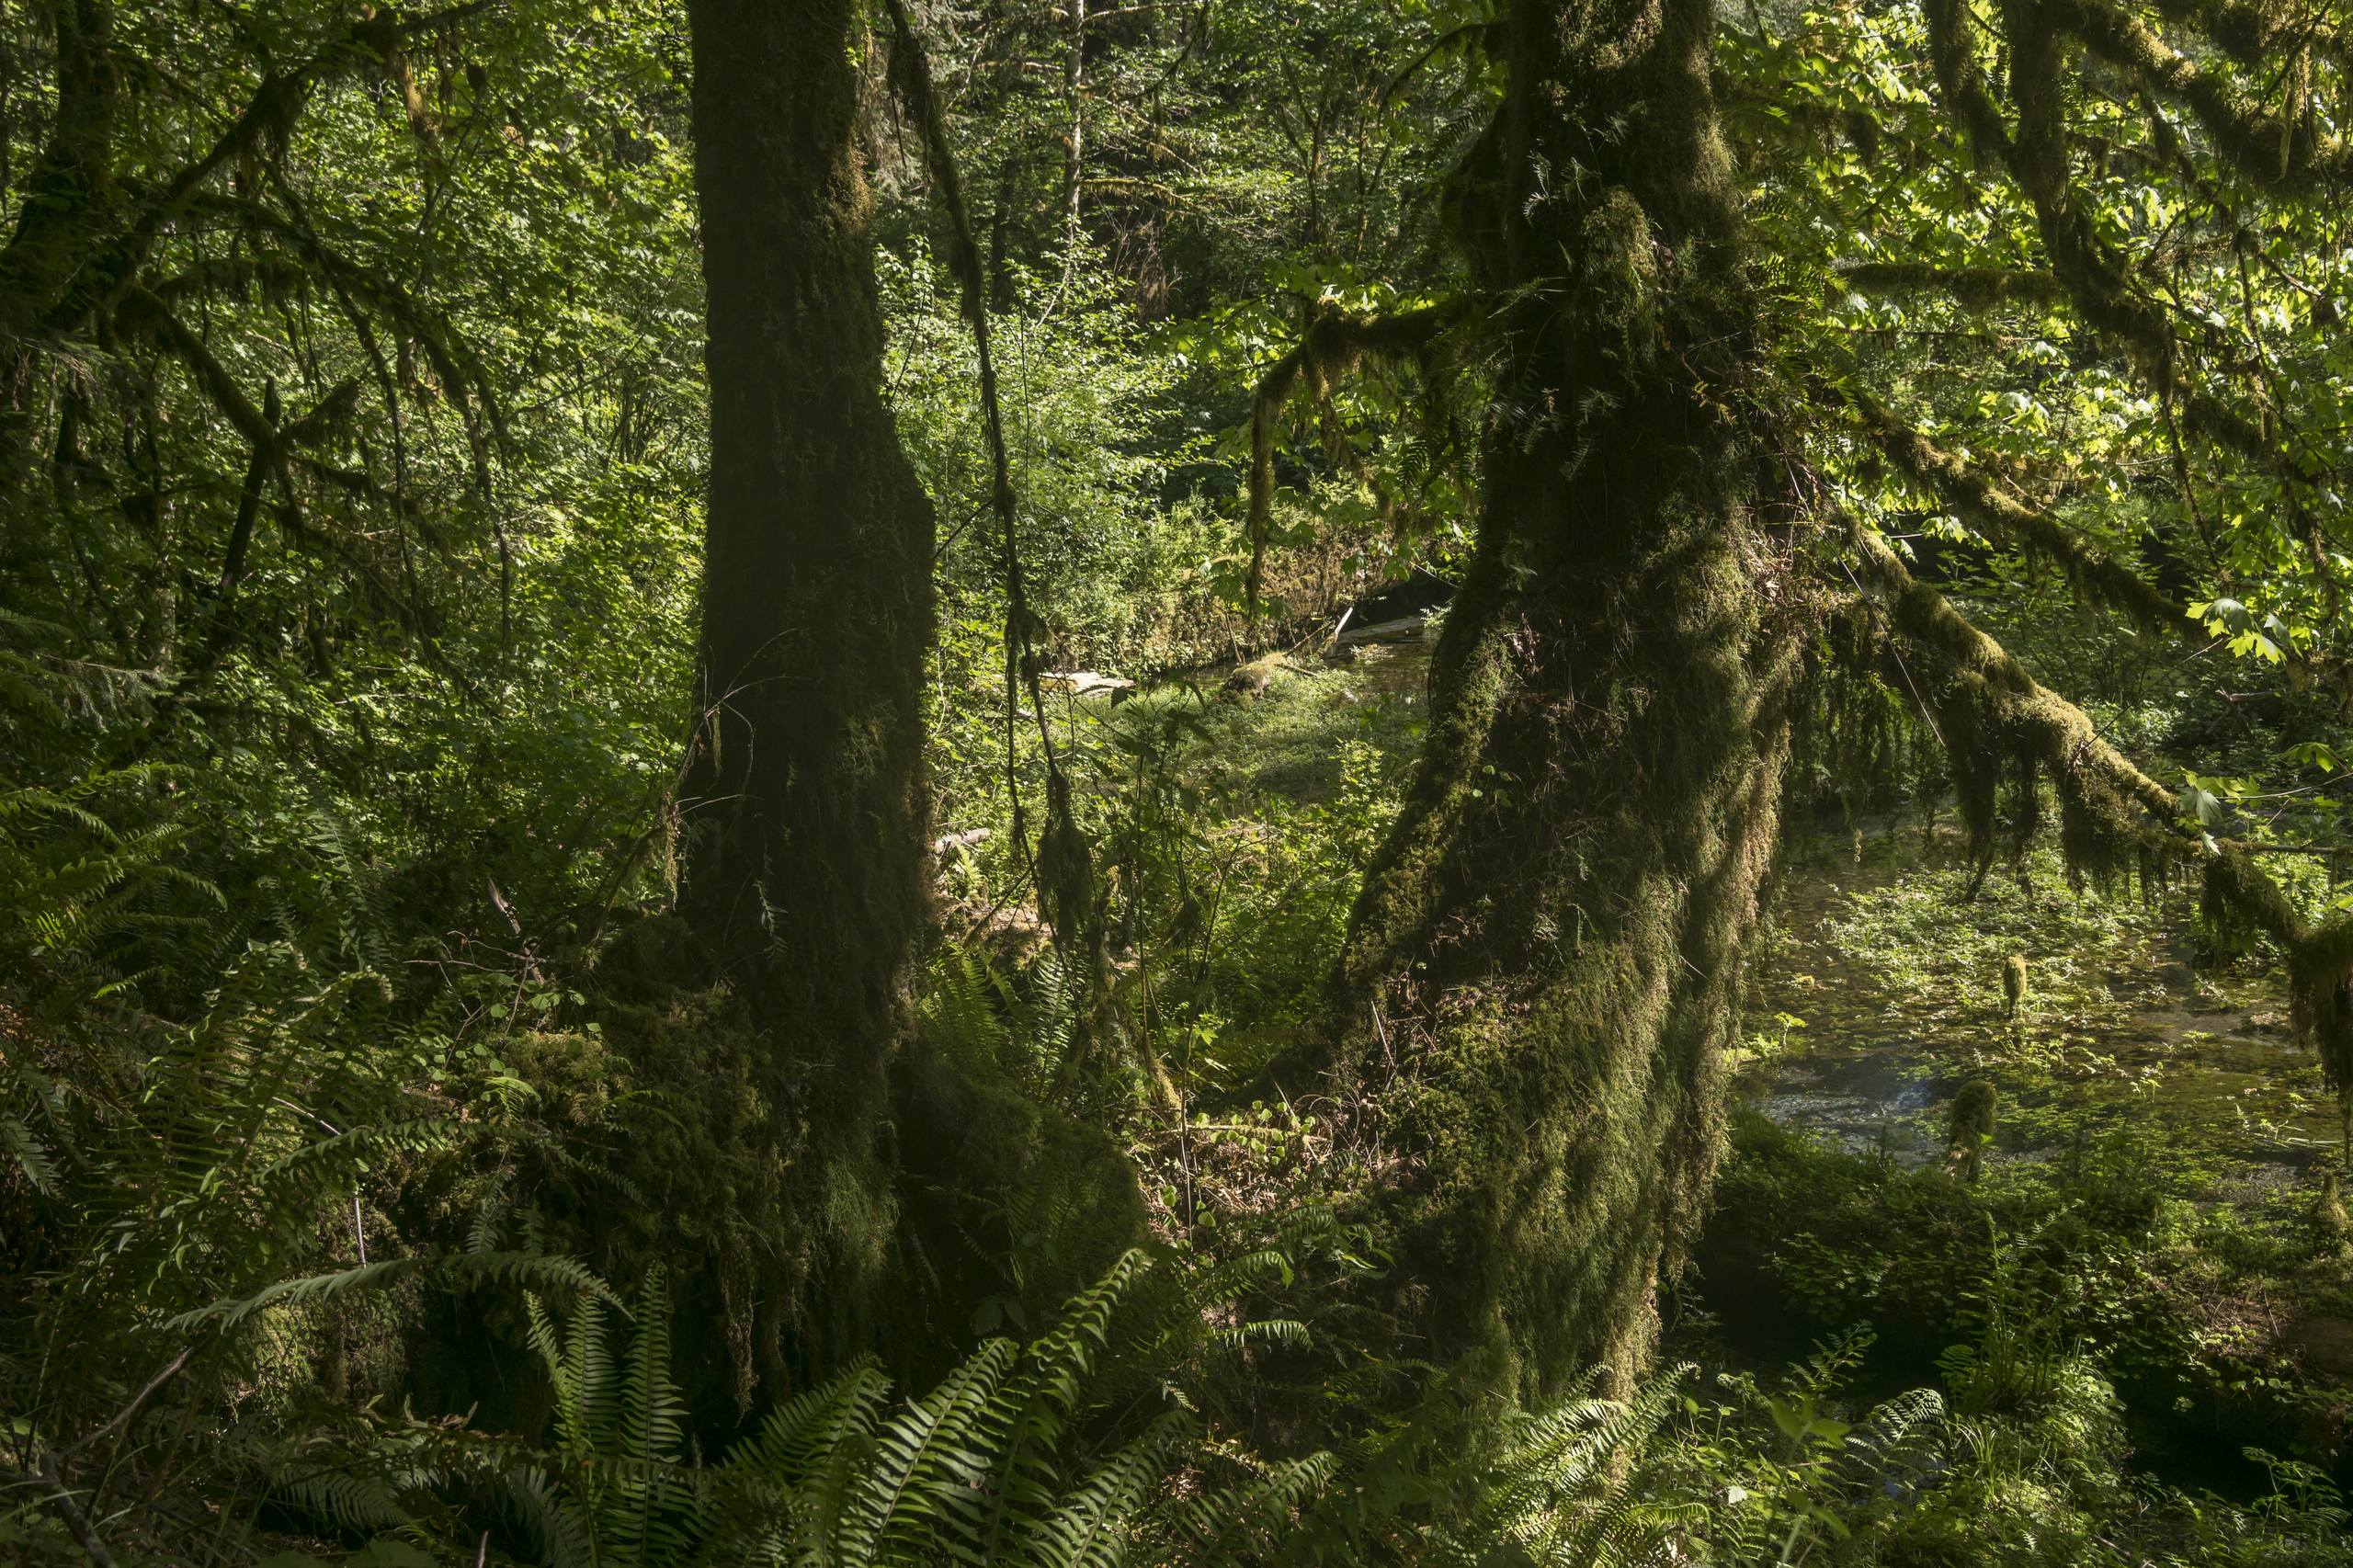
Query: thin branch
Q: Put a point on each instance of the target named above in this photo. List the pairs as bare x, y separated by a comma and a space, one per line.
1062, 864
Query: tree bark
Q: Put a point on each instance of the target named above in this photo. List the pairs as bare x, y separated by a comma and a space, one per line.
1546, 956
67, 201
1074, 160
804, 807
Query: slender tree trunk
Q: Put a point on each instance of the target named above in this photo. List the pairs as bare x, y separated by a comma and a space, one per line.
63, 211
1001, 300
1075, 165
1546, 956
804, 805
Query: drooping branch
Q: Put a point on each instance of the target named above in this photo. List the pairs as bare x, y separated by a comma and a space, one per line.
2095, 278
2270, 149
2096, 577
1994, 719
2098, 280
1063, 865
65, 284
1336, 344
145, 312
454, 361
462, 376
1470, 37
1976, 288
2086, 270
2252, 34
1952, 55
112, 267
1990, 709
2096, 274
73, 178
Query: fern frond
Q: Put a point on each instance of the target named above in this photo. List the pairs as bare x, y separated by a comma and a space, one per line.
1226, 1526
1093, 1525
348, 1500
552, 1521
922, 1491
32, 1156
522, 1269
653, 1416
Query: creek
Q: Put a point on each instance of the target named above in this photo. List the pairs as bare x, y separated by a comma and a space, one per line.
1879, 993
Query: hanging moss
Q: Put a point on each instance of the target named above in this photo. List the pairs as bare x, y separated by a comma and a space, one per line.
1991, 712
1334, 345
2288, 151
2237, 904
1975, 289
2112, 814
2319, 972
2098, 832
1969, 1127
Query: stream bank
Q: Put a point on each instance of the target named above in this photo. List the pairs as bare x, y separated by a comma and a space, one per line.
2152, 1192
2147, 1204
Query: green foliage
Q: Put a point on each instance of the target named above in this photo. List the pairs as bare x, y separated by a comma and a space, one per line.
348, 553
1061, 1452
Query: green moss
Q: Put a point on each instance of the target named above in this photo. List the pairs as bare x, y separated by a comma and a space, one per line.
1550, 956
1969, 1127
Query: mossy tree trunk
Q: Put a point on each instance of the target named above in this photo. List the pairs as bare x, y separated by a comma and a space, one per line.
68, 200
804, 803
1546, 957
804, 807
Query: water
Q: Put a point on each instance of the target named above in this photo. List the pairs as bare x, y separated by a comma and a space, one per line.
1879, 995
2130, 1030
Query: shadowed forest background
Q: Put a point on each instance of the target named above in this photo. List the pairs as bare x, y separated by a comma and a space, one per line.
1487, 782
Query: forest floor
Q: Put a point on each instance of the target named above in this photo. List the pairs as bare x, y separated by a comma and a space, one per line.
2162, 1140
2152, 1188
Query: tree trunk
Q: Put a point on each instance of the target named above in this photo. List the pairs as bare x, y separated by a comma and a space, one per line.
1546, 956
66, 204
805, 806
1074, 160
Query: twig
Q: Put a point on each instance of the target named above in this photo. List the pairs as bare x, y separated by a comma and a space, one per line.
125, 1413
76, 1521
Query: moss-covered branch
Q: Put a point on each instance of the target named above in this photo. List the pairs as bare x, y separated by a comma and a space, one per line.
2252, 34
55, 286
1952, 55
1974, 288
2096, 577
1992, 715
2098, 280
2270, 149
